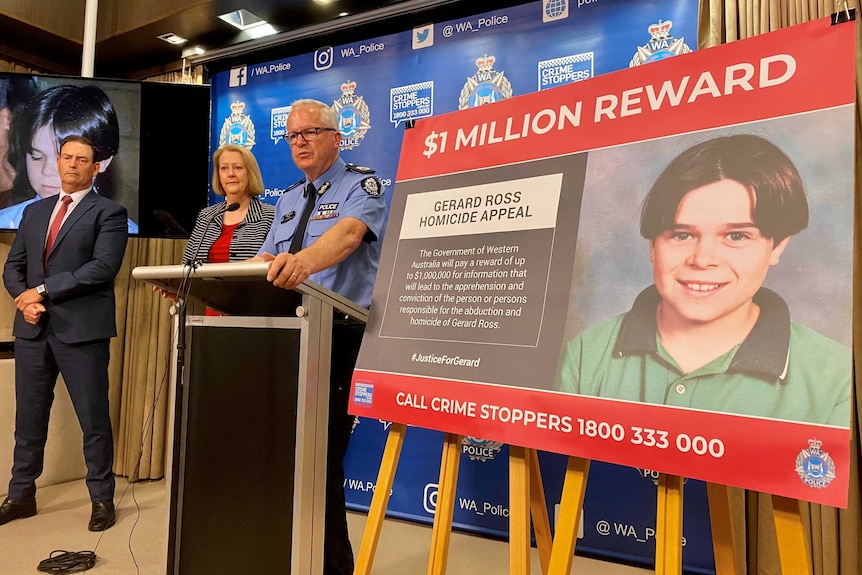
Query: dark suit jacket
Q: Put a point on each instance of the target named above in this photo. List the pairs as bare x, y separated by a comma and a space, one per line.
86, 257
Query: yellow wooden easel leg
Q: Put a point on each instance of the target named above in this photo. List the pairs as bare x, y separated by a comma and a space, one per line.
668, 536
380, 499
442, 529
539, 512
721, 521
792, 542
571, 503
519, 511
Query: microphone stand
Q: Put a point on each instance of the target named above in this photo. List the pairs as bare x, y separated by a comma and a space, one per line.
179, 311
186, 284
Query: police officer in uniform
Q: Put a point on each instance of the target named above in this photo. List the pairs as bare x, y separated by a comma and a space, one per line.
325, 229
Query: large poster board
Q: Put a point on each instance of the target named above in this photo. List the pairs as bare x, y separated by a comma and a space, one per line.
514, 229
432, 69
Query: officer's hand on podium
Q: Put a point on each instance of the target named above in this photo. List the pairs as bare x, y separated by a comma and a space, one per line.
285, 270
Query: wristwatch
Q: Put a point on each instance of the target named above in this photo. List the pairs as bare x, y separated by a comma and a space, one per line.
42, 290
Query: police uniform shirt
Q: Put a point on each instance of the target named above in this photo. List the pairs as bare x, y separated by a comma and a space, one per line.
349, 193
781, 370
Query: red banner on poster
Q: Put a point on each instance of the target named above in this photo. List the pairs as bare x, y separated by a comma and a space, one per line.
629, 269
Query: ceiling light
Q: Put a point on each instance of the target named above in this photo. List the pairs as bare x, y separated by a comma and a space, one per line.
172, 38
261, 30
343, 14
324, 2
192, 51
242, 19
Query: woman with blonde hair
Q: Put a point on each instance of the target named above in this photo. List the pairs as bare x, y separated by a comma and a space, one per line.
222, 232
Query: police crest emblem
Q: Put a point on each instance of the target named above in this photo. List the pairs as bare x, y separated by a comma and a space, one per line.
662, 45
371, 185
354, 118
238, 128
814, 466
486, 86
480, 449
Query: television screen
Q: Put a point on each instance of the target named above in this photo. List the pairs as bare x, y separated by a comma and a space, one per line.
152, 141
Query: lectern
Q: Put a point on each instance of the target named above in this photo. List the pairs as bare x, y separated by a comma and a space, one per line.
249, 424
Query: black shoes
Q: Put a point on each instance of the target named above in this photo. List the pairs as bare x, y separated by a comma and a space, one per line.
104, 516
17, 509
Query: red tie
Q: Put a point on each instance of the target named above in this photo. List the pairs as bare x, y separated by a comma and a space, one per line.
56, 223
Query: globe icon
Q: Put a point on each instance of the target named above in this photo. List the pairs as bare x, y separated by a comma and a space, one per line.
554, 8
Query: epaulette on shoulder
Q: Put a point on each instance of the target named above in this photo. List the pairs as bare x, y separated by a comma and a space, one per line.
291, 186
359, 169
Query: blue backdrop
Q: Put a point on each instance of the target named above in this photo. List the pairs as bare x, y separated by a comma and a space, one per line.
375, 86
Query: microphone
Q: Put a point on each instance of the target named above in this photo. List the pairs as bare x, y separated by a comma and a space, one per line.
222, 209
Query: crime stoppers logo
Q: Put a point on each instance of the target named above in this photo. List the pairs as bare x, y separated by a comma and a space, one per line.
237, 128
354, 118
486, 86
480, 449
814, 466
662, 45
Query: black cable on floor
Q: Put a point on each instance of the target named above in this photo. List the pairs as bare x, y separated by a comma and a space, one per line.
67, 561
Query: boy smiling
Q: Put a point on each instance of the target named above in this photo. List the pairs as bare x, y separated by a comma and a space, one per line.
707, 335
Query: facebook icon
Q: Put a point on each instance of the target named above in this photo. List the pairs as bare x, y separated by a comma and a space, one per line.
238, 77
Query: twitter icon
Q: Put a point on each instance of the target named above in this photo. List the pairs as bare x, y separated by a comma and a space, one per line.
423, 36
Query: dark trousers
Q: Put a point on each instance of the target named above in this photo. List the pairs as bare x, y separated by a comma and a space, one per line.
338, 554
85, 371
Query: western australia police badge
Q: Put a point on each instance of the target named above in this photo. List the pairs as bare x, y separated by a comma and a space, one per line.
662, 45
237, 128
814, 466
354, 118
486, 86
480, 449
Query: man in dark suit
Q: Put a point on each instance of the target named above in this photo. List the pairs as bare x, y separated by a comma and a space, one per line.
60, 270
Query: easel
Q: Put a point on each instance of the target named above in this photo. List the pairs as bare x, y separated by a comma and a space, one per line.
792, 543
527, 500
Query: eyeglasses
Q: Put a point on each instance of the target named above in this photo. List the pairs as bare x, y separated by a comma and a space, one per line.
309, 135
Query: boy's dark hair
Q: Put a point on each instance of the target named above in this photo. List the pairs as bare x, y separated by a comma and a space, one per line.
781, 208
69, 110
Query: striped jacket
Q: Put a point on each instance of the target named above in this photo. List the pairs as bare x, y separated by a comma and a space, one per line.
247, 238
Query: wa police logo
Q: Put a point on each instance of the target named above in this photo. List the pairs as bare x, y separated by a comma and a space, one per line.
371, 186
662, 45
485, 87
237, 128
480, 449
353, 116
814, 466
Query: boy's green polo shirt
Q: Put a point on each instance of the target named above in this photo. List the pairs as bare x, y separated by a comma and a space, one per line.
782, 370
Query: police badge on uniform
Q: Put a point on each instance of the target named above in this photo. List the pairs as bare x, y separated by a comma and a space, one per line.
814, 466
486, 86
354, 118
372, 186
480, 449
237, 128
662, 45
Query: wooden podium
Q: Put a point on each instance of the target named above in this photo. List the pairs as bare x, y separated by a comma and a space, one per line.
250, 393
